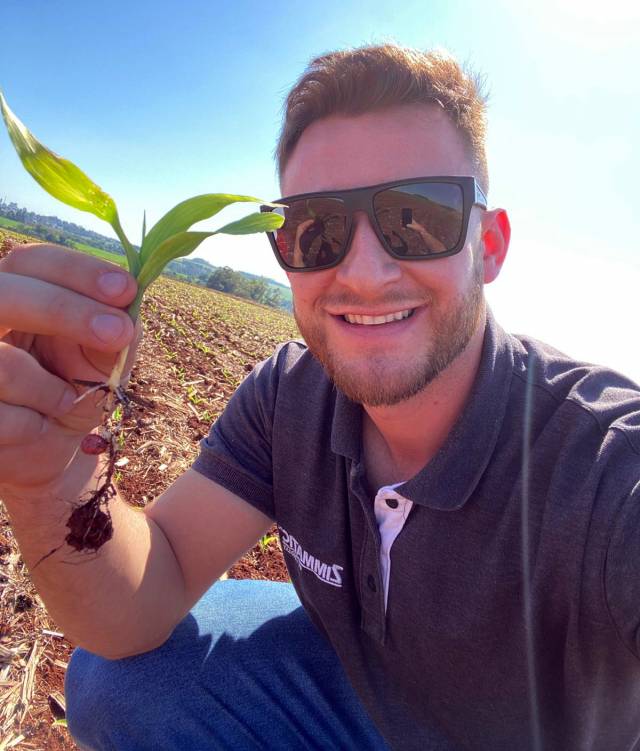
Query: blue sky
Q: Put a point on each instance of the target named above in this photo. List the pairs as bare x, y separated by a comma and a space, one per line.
158, 101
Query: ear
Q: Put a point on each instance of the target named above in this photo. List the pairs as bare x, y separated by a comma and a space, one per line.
496, 233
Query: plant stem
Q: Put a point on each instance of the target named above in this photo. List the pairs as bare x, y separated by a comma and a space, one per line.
134, 308
116, 374
133, 259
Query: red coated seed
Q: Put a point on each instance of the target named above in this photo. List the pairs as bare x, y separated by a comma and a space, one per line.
94, 444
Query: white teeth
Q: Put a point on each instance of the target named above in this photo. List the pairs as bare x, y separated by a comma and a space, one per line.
376, 320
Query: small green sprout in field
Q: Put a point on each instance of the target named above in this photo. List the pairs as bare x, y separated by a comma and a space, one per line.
193, 397
266, 540
170, 238
204, 348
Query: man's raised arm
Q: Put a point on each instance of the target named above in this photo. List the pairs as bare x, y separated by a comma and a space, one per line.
62, 317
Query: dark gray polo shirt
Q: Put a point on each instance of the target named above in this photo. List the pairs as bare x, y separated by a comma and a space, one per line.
444, 664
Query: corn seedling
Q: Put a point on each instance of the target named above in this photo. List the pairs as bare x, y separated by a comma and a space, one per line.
192, 396
206, 416
204, 348
168, 239
266, 540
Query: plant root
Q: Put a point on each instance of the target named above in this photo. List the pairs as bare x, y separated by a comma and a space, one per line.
122, 397
90, 525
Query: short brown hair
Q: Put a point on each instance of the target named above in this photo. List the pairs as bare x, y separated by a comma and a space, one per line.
352, 82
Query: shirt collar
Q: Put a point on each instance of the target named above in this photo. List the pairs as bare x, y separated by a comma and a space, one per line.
447, 481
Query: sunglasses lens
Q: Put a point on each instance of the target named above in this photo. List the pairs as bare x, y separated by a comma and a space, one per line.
422, 219
313, 233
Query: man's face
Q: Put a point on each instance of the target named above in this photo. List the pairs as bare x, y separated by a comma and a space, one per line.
383, 364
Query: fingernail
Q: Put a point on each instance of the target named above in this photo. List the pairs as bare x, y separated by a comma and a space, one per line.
112, 283
107, 327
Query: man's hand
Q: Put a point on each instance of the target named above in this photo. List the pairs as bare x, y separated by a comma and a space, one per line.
62, 317
156, 564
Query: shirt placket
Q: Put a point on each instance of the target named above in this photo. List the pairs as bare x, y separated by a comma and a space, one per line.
391, 510
369, 575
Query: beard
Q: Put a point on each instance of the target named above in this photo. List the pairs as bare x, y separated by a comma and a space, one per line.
383, 380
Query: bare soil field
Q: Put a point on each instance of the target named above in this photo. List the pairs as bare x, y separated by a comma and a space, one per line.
197, 348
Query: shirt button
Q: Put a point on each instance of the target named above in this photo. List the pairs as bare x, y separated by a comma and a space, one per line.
371, 583
391, 502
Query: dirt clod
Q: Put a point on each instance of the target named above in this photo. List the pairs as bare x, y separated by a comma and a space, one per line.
90, 527
23, 603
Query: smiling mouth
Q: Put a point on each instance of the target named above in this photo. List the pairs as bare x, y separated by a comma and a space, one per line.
377, 320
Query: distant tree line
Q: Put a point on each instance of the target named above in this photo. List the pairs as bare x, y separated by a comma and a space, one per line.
225, 279
56, 230
48, 234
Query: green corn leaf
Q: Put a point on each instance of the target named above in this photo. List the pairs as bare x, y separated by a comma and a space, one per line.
184, 243
58, 176
181, 244
259, 222
185, 215
62, 179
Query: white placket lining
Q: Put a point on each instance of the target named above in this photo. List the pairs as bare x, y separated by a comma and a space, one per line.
390, 523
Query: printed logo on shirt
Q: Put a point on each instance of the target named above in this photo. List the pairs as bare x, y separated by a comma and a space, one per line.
329, 573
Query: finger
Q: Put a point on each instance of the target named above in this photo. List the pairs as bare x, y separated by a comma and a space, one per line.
101, 361
37, 307
19, 425
80, 272
24, 383
47, 456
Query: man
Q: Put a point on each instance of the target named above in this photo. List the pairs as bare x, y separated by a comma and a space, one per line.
459, 592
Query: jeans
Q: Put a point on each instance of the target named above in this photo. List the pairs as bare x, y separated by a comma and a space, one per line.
245, 670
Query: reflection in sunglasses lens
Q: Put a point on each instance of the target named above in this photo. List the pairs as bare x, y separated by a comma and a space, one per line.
421, 219
313, 232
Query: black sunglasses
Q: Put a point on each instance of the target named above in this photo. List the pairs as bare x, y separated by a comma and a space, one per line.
418, 219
